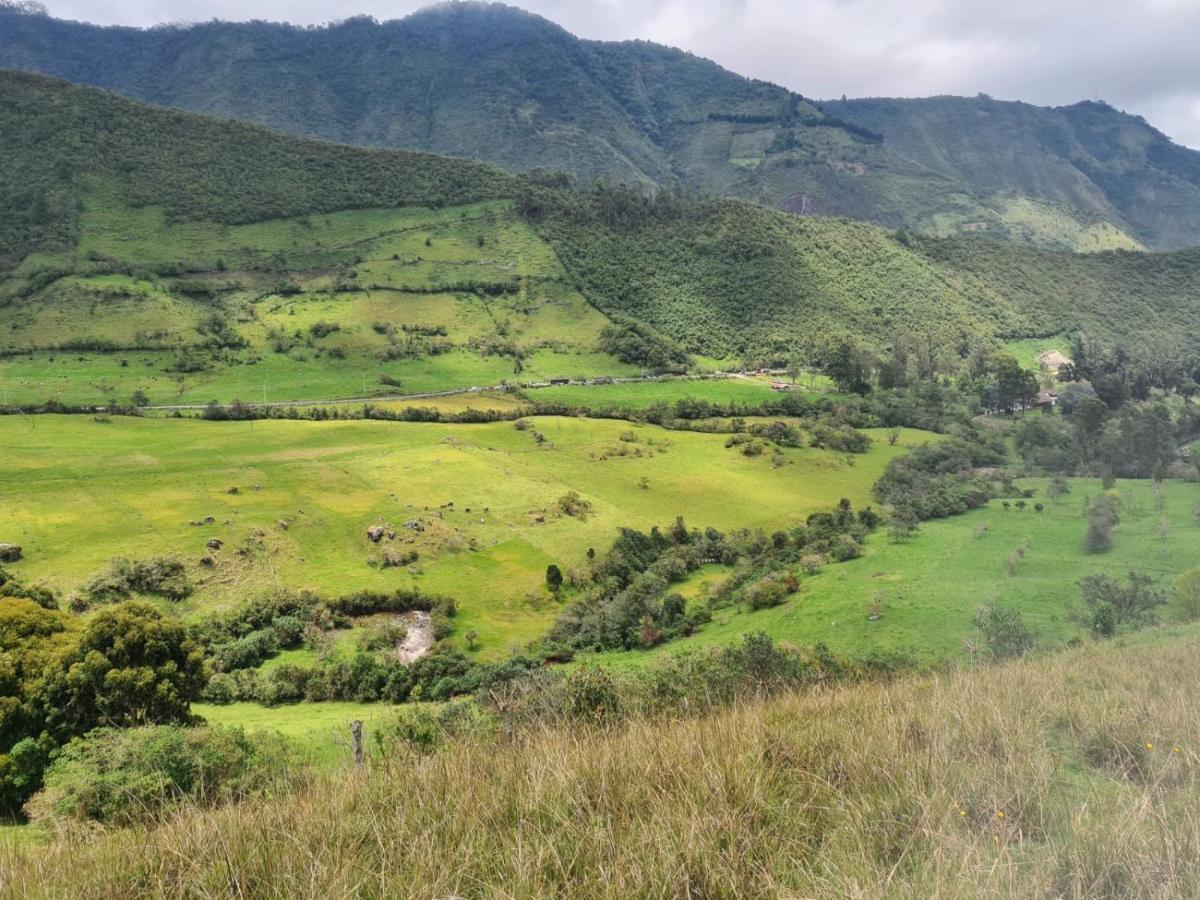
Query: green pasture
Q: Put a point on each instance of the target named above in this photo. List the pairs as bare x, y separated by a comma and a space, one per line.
930, 586
643, 394
320, 731
79, 491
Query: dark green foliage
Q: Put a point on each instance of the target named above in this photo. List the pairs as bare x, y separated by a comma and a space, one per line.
159, 576
1102, 517
121, 776
55, 137
1109, 604
628, 602
640, 345
495, 83
1005, 633
937, 480
129, 665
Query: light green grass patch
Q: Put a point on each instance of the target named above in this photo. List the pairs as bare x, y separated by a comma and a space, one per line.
79, 492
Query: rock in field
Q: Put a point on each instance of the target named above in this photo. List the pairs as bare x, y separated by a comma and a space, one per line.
10, 552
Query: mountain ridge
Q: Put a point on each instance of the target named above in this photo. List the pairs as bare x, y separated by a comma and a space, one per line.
514, 89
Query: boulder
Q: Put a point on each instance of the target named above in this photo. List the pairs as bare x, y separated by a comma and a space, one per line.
10, 552
208, 520
215, 544
375, 533
283, 526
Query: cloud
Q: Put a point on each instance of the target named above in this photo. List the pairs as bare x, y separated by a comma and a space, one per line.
1140, 55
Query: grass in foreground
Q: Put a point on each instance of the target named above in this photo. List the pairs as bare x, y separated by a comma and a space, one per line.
1076, 775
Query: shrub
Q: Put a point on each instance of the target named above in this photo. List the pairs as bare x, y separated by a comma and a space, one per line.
1187, 595
121, 776
162, 576
592, 696
1102, 518
571, 504
1110, 604
322, 328
383, 636
771, 591
1004, 631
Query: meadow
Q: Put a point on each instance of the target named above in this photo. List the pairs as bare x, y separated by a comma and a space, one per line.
79, 491
927, 588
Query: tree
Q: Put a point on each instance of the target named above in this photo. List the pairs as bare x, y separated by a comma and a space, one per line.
1111, 604
471, 637
1102, 517
1187, 595
904, 524
1013, 385
1004, 631
132, 666
554, 578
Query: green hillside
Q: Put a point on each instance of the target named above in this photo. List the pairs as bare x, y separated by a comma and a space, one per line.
494, 83
192, 259
728, 277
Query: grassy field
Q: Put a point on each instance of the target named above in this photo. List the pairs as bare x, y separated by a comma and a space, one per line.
640, 395
1075, 775
79, 491
1026, 351
321, 731
930, 586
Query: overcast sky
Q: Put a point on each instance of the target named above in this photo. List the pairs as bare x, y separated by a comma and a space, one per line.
1142, 56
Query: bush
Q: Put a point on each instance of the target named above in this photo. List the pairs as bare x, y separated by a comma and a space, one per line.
571, 504
161, 576
1102, 518
384, 636
1110, 604
121, 776
592, 696
771, 591
1004, 631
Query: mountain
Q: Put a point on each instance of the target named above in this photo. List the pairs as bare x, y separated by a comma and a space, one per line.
497, 84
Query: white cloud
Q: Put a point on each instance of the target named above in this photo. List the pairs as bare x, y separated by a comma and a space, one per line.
1140, 55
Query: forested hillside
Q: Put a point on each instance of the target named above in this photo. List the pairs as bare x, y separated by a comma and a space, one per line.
728, 277
56, 139
494, 83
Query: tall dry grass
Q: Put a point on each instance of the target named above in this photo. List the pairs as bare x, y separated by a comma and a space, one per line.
1068, 776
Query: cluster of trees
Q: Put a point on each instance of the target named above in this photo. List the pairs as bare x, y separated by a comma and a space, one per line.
1140, 439
261, 627
941, 479
627, 601
640, 345
60, 678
